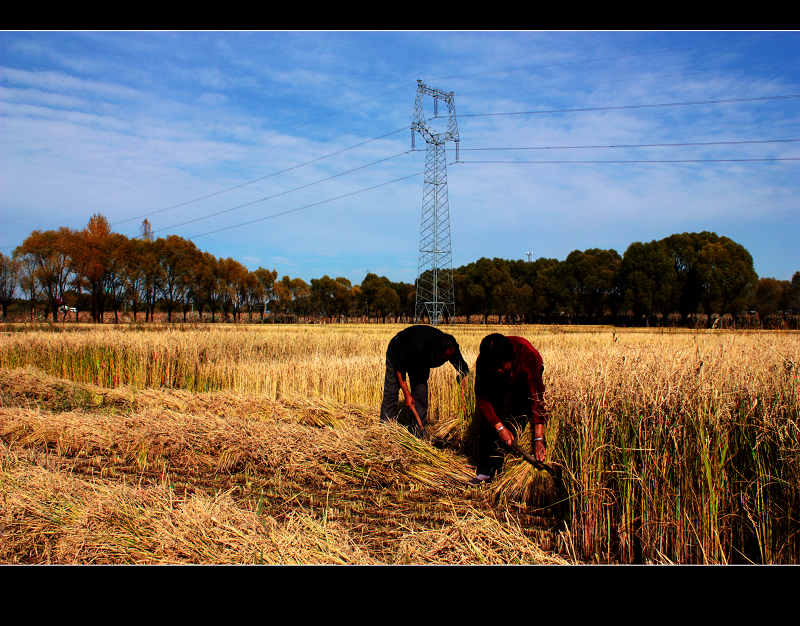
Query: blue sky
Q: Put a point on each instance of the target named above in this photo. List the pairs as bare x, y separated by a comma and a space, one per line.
176, 126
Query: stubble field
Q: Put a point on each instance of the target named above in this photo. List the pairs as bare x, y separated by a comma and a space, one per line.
261, 444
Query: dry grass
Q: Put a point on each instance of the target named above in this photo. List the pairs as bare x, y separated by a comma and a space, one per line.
94, 475
56, 517
675, 446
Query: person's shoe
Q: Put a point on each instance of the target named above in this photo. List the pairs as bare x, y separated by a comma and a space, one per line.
480, 479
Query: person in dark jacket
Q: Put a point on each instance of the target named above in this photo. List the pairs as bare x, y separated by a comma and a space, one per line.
508, 391
413, 352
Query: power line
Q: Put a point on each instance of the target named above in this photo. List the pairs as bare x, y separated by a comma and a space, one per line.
634, 106
682, 73
636, 161
255, 180
282, 193
532, 112
639, 145
308, 206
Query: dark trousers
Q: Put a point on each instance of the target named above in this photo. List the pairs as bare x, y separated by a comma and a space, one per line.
513, 408
389, 407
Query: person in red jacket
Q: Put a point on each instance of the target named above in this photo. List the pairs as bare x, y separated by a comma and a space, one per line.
508, 391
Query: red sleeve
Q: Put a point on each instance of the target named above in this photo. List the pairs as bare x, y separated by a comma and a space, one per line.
532, 365
486, 408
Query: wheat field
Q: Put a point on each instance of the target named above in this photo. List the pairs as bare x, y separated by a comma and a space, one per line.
222, 443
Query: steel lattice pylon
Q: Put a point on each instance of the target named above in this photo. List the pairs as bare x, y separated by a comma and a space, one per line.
434, 284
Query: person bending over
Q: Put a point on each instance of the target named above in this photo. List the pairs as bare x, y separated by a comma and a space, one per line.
414, 351
508, 391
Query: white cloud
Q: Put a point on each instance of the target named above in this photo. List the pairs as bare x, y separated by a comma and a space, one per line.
161, 119
59, 81
44, 98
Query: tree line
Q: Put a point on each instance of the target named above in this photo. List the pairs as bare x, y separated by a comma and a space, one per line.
676, 280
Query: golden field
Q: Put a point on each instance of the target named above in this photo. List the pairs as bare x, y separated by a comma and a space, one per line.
222, 443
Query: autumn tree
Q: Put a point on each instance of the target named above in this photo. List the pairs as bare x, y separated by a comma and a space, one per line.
153, 276
231, 277
292, 296
686, 273
175, 256
27, 280
92, 259
47, 255
208, 285
254, 294
115, 279
300, 292
9, 278
266, 279
132, 273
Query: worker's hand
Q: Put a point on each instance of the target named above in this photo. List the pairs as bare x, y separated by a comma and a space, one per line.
505, 435
540, 450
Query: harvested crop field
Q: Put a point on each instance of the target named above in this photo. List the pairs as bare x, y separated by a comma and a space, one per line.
261, 444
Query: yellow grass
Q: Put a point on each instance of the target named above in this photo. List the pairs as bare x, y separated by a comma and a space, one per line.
96, 475
677, 446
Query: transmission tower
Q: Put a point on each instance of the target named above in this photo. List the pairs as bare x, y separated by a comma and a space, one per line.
434, 282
